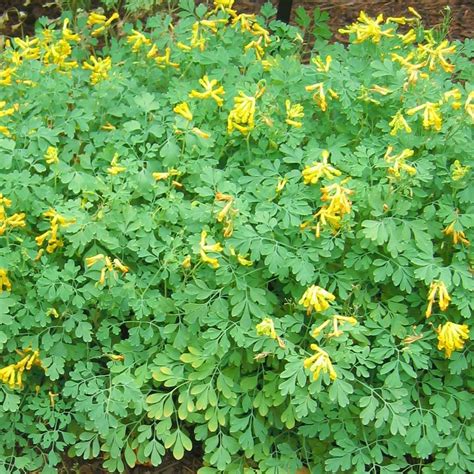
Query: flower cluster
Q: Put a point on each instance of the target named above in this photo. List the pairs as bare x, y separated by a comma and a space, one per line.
12, 374
13, 221
109, 267
57, 222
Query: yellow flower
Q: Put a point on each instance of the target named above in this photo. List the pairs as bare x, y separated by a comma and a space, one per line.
5, 282
436, 55
159, 176
256, 45
161, 61
15, 220
6, 76
186, 263
409, 37
468, 106
320, 65
200, 133
324, 216
100, 68
68, 35
51, 155
4, 112
183, 110
12, 374
281, 185
458, 236
244, 261
293, 111
29, 49
335, 322
90, 261
452, 337
115, 168
399, 162
316, 298
337, 196
413, 69
204, 248
120, 266
399, 123
58, 54
312, 174
431, 115
367, 28
266, 328
101, 21
138, 40
53, 312
242, 116
437, 288
210, 91
459, 171
318, 362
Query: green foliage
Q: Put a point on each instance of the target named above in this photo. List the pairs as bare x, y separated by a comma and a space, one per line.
152, 346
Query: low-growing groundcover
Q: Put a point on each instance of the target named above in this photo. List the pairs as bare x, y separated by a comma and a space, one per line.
204, 241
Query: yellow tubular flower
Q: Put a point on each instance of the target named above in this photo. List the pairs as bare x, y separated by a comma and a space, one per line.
242, 116
452, 337
318, 362
204, 248
457, 235
319, 96
316, 298
120, 266
367, 29
436, 55
183, 110
210, 91
293, 111
459, 171
161, 61
337, 196
6, 76
137, 40
281, 185
413, 70
256, 45
322, 66
200, 133
399, 162
437, 289
5, 282
93, 260
266, 328
51, 155
244, 261
399, 123
431, 116
468, 106
68, 35
100, 68
319, 169
115, 168
186, 263
12, 374
165, 175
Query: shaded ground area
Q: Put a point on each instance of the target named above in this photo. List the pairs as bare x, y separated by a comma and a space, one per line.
18, 17
344, 12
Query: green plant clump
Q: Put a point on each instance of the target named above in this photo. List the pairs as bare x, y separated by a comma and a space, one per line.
206, 242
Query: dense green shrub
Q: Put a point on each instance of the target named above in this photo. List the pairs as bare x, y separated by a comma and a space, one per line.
204, 240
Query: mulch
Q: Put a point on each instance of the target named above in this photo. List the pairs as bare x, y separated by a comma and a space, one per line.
16, 19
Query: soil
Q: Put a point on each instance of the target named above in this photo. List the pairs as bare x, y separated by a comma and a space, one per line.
17, 17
